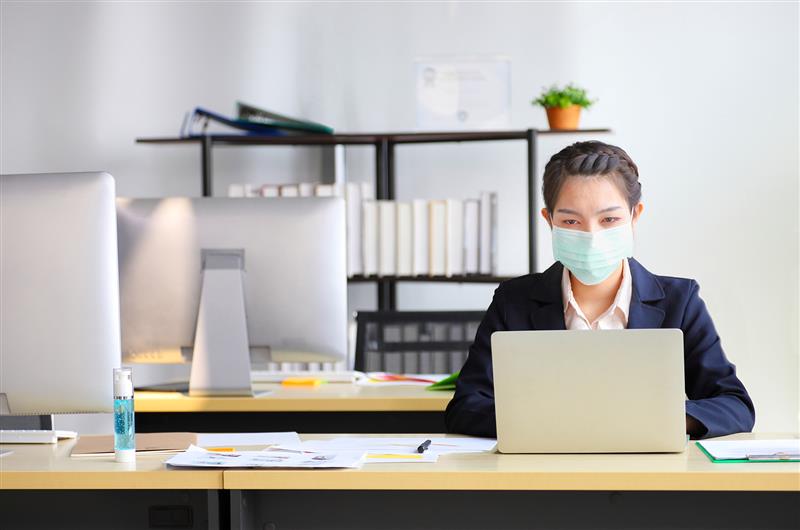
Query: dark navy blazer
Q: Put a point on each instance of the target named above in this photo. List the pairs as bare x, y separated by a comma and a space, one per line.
717, 399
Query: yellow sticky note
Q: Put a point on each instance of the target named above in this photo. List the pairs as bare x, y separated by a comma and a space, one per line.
301, 381
406, 456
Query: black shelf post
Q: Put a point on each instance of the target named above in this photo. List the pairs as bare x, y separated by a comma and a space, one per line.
205, 166
530, 136
384, 190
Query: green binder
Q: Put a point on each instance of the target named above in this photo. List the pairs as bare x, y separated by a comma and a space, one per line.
448, 383
760, 460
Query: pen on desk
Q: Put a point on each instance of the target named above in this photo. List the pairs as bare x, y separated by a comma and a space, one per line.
423, 446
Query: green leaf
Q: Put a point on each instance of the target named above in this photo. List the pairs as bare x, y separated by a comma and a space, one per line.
563, 97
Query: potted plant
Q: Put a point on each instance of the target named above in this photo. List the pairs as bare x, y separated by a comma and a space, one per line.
563, 105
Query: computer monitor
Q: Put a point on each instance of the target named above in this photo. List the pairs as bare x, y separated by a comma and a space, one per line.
59, 298
219, 279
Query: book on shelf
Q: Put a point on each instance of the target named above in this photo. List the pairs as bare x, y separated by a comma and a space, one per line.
369, 236
353, 222
437, 237
387, 236
324, 190
302, 189
420, 236
488, 233
236, 190
305, 189
405, 239
471, 235
270, 191
289, 190
454, 237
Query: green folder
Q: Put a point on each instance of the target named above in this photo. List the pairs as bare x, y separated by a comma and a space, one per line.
252, 114
743, 460
448, 383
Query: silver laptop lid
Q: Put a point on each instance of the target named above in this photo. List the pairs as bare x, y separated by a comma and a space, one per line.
608, 391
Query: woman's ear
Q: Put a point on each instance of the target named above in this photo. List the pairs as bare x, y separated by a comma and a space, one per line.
546, 216
637, 212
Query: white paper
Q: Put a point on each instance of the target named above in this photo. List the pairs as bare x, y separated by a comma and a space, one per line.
197, 457
381, 445
238, 439
740, 449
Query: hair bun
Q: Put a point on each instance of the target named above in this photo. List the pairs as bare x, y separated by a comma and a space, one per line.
593, 163
588, 159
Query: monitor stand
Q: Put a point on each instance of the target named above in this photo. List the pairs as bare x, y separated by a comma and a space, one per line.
221, 359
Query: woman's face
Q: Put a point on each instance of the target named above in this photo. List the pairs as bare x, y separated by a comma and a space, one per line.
590, 204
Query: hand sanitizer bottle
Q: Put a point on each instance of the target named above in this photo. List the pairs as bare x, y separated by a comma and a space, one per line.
124, 431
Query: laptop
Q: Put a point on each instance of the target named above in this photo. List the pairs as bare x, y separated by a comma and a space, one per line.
612, 391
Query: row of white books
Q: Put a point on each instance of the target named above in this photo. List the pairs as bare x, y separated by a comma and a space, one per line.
449, 237
302, 189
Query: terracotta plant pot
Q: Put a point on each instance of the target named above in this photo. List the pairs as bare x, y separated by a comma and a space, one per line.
564, 118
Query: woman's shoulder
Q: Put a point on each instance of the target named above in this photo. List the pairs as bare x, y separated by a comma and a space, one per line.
537, 285
670, 286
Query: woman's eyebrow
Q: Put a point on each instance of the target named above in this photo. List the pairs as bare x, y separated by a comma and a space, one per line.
604, 210
609, 209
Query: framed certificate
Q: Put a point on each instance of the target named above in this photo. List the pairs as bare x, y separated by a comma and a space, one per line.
463, 93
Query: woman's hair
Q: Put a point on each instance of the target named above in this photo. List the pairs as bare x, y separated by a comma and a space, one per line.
587, 159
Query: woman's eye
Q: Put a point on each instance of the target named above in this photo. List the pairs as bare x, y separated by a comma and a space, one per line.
609, 220
570, 222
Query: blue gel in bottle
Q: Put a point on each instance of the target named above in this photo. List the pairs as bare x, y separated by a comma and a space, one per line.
124, 430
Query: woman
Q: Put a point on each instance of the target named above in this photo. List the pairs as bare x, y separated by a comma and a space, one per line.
592, 203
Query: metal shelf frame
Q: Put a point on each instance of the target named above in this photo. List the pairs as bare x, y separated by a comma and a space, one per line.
385, 174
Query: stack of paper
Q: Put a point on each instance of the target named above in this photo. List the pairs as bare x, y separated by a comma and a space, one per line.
395, 450
198, 457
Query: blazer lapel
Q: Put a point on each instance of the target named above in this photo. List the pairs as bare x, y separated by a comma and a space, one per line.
643, 314
548, 305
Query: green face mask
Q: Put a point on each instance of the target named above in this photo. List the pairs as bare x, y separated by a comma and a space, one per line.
592, 256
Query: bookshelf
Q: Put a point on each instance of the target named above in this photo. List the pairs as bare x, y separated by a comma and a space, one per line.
384, 144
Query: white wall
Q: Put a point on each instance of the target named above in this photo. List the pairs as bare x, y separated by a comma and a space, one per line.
703, 96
